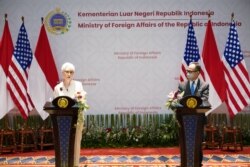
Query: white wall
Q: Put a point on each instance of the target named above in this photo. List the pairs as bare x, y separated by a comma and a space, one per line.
128, 85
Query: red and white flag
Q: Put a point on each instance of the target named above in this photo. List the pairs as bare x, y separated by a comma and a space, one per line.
214, 69
6, 51
43, 74
236, 74
18, 73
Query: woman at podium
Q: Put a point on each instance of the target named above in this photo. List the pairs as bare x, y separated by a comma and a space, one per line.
71, 88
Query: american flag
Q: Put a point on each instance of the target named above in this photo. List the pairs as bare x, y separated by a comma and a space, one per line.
191, 53
236, 74
17, 76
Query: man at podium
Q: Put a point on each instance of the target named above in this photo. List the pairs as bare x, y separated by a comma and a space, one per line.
196, 87
71, 88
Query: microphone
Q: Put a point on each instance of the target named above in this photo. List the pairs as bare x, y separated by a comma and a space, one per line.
61, 89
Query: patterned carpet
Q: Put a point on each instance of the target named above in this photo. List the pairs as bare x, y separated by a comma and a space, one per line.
128, 158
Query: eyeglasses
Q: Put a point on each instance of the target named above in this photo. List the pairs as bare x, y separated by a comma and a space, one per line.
191, 71
69, 72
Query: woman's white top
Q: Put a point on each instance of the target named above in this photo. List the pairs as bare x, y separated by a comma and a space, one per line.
74, 87
71, 91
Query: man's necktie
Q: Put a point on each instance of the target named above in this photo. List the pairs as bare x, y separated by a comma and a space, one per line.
192, 88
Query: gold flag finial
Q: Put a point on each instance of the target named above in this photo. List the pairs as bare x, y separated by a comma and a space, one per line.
232, 17
42, 20
209, 15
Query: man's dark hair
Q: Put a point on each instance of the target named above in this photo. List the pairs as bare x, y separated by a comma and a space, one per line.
197, 66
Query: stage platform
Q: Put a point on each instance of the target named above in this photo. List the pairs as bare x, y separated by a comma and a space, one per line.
129, 157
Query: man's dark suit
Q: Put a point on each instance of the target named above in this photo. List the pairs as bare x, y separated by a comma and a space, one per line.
201, 90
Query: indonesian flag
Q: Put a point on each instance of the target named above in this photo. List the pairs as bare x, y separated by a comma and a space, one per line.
6, 51
214, 69
43, 74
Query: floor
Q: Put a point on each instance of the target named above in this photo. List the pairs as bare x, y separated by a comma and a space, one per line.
129, 157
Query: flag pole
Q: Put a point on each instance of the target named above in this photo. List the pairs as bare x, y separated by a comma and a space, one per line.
209, 15
190, 17
232, 17
42, 20
231, 118
5, 16
22, 19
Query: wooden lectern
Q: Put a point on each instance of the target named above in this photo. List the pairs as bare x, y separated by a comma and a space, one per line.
191, 118
63, 112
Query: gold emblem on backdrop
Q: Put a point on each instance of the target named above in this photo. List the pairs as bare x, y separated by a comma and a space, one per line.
62, 102
191, 102
57, 22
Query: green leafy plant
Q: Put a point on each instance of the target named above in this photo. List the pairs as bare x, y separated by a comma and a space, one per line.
155, 134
